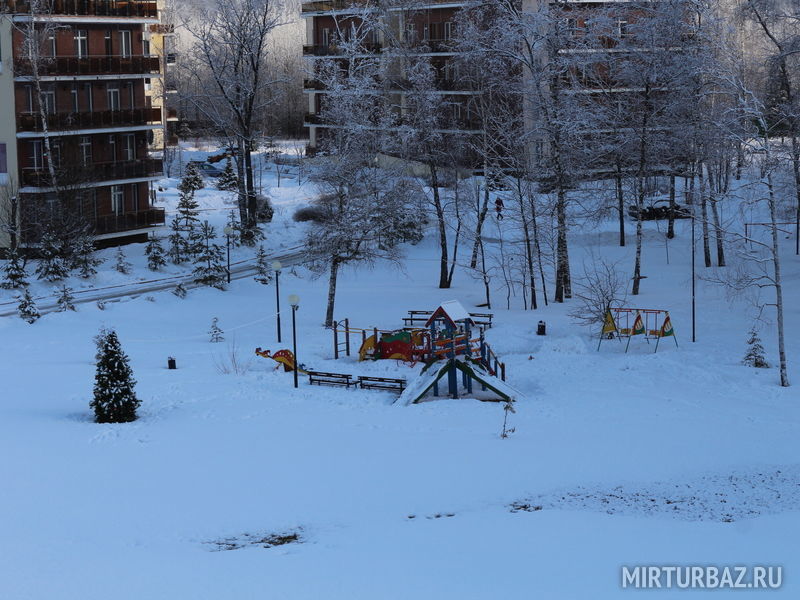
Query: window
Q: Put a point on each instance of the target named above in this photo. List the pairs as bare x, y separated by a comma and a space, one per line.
113, 97
49, 101
76, 105
128, 147
55, 153
89, 93
125, 47
36, 156
109, 44
448, 30
29, 97
81, 43
85, 145
146, 47
3, 159
131, 94
622, 29
326, 37
51, 44
117, 199
112, 148
135, 197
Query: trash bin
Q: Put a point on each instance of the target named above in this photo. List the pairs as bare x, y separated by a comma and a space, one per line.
541, 329
171, 363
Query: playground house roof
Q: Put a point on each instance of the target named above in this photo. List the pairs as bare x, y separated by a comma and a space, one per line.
451, 311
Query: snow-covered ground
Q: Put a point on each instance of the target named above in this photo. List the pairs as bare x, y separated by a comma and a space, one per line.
676, 458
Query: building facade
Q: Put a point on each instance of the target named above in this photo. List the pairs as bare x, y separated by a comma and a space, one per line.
77, 78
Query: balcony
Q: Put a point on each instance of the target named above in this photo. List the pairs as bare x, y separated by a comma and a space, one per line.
97, 172
334, 50
90, 65
322, 6
127, 221
91, 8
89, 120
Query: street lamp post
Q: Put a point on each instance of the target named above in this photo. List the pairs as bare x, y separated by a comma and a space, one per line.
276, 266
694, 285
228, 232
294, 302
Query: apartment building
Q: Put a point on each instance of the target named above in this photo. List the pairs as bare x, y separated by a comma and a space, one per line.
75, 82
425, 29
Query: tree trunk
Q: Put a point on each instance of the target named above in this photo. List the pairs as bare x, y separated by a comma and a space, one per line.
331, 291
776, 265
671, 225
528, 246
620, 206
482, 212
444, 280
637, 265
704, 217
537, 245
563, 282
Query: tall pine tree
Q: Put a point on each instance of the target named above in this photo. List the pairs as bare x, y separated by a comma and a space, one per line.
192, 180
263, 272
114, 398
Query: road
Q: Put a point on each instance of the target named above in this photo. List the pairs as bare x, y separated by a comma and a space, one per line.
239, 270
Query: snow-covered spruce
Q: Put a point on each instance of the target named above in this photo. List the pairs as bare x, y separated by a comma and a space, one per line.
155, 254
15, 276
66, 301
755, 356
114, 398
209, 269
26, 308
263, 272
121, 263
228, 182
52, 266
84, 259
180, 291
192, 180
216, 333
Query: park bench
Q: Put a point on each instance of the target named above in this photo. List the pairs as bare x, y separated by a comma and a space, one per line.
483, 320
319, 378
381, 383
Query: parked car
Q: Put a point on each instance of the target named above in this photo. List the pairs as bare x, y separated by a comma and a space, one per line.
206, 169
659, 210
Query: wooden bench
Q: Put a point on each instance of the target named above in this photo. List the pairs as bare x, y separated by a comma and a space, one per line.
483, 320
320, 378
381, 383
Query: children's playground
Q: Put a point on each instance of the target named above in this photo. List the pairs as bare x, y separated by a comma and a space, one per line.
449, 341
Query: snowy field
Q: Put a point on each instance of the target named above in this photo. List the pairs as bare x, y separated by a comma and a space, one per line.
676, 458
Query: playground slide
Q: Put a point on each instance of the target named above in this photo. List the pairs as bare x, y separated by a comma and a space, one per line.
284, 357
420, 386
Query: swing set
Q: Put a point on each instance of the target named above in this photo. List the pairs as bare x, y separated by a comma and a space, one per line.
629, 322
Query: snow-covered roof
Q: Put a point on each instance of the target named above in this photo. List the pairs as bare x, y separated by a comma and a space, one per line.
452, 310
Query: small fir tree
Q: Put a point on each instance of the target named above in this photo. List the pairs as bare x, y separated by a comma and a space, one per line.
84, 259
178, 243
52, 266
215, 332
26, 308
66, 301
121, 265
114, 398
228, 182
192, 180
263, 271
236, 227
155, 254
187, 211
15, 275
209, 269
180, 291
755, 356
